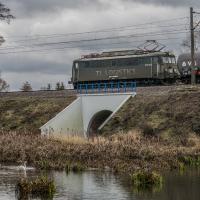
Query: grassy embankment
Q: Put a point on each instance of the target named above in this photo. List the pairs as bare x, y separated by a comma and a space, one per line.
151, 132
172, 115
24, 112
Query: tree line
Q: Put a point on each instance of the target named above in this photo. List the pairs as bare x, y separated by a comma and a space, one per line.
26, 86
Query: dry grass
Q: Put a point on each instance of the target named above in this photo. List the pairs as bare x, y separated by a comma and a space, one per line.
172, 114
121, 152
69, 139
29, 113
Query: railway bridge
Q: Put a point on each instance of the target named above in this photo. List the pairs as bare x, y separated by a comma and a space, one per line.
94, 107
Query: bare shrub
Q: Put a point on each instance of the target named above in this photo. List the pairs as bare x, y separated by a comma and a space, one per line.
148, 131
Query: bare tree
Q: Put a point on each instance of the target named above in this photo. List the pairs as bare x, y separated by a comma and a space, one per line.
5, 13
26, 87
5, 16
60, 86
3, 85
49, 86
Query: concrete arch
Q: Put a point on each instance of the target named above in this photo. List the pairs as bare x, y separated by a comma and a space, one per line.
96, 121
87, 112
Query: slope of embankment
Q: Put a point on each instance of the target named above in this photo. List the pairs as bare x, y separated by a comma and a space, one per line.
167, 110
30, 110
164, 111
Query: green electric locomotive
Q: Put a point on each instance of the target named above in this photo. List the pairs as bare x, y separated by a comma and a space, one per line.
145, 67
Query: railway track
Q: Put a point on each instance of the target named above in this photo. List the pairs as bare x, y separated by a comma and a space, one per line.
147, 90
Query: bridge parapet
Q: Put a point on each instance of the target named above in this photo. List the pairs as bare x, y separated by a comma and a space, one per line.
106, 87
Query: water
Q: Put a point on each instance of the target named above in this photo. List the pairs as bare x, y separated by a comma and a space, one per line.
92, 185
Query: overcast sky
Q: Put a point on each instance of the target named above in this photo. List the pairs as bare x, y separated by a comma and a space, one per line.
38, 47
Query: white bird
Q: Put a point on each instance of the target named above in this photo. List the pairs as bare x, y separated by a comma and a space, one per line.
22, 167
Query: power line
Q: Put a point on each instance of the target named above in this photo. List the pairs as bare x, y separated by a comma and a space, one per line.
37, 37
138, 35
31, 47
108, 29
82, 46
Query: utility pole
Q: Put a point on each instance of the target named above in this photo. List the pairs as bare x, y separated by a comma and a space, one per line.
193, 75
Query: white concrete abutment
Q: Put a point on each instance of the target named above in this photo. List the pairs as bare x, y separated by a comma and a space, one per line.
86, 114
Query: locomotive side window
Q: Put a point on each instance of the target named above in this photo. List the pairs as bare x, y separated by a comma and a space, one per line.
98, 63
132, 61
136, 61
86, 64
146, 60
120, 62
113, 63
104, 63
155, 60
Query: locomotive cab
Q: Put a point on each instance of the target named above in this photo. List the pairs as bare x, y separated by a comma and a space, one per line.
170, 70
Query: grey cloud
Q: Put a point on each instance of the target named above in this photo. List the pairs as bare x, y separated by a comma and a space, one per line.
28, 8
29, 65
179, 3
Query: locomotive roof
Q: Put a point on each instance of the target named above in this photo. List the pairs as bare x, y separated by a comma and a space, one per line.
122, 54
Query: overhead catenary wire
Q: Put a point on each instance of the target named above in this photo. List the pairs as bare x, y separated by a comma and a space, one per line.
49, 36
38, 46
109, 29
80, 46
137, 35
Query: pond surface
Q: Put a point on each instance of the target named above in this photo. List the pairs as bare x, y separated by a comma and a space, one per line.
92, 185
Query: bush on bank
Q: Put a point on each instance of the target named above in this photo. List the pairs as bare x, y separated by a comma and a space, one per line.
146, 179
40, 187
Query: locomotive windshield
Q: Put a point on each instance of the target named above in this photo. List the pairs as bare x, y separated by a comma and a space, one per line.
169, 60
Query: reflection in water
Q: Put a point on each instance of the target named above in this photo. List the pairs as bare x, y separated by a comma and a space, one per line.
100, 186
89, 185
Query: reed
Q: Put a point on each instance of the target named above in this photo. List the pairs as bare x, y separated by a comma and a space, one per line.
146, 179
124, 153
40, 187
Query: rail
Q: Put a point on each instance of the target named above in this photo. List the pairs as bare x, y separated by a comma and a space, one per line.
106, 87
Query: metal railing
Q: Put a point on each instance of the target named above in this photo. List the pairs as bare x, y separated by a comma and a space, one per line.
106, 87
